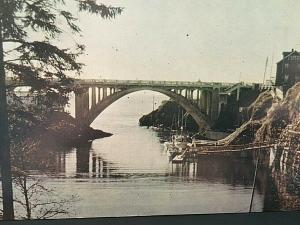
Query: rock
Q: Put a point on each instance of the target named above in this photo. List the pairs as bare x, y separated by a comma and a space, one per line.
167, 116
63, 129
282, 116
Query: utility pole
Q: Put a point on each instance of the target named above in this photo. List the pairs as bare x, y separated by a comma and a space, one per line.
7, 192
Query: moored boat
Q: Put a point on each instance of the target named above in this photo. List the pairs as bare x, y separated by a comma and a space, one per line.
178, 159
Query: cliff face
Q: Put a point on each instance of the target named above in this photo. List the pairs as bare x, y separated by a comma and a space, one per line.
286, 133
269, 119
254, 115
280, 115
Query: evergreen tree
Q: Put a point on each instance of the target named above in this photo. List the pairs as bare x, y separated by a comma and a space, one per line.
39, 64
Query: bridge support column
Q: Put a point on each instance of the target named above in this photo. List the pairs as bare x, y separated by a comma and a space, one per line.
93, 97
215, 99
82, 104
99, 94
192, 94
203, 101
104, 92
208, 99
86, 102
189, 94
78, 105
198, 97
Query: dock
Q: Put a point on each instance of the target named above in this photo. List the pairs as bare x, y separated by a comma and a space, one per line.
206, 150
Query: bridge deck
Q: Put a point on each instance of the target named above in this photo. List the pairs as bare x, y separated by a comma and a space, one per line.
152, 83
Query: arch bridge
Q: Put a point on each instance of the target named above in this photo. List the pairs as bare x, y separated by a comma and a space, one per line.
202, 100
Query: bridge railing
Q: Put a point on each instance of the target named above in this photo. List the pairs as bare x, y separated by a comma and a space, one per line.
188, 84
183, 84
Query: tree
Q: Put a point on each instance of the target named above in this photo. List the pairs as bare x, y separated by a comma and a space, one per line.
37, 63
38, 201
33, 198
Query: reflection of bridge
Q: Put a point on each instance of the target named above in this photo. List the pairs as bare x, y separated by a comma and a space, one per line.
202, 100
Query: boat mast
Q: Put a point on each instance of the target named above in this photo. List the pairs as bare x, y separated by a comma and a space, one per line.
182, 118
266, 65
152, 110
178, 119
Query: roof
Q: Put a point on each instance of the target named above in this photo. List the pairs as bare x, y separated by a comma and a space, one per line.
288, 54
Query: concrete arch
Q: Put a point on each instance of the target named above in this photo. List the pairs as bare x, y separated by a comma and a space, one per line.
201, 119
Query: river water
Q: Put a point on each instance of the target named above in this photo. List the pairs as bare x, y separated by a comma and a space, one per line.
129, 173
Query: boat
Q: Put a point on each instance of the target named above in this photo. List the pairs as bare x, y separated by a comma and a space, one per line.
178, 142
168, 145
178, 159
171, 149
198, 143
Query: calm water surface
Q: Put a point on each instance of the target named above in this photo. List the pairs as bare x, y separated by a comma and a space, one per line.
129, 173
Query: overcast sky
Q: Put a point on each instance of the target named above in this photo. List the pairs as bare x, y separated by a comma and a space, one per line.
210, 40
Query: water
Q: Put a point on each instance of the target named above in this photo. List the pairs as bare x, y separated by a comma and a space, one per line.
129, 173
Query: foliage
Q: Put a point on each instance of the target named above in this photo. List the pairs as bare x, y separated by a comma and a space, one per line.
29, 30
38, 201
37, 63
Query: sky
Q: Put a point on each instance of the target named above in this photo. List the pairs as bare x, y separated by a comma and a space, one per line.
207, 40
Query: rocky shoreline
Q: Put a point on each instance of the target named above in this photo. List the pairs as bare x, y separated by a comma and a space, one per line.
61, 129
169, 115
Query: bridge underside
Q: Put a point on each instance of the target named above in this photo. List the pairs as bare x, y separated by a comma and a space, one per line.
203, 105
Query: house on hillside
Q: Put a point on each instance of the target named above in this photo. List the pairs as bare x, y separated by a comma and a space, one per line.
288, 70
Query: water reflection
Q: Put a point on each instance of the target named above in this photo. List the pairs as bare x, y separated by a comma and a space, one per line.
229, 169
83, 158
91, 164
223, 176
226, 170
